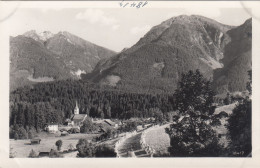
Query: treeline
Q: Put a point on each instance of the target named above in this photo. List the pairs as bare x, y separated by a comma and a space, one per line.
53, 102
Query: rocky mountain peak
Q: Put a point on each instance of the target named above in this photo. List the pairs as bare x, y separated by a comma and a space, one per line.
41, 36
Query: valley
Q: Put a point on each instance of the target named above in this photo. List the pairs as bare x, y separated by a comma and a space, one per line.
182, 90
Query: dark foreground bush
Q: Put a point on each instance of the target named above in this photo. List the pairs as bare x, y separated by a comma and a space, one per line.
89, 149
104, 151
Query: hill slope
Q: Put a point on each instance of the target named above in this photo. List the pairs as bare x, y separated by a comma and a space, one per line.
156, 62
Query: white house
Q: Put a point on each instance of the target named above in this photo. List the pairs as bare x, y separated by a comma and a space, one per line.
52, 128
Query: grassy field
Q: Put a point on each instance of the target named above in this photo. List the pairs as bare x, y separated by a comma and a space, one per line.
158, 139
22, 148
131, 143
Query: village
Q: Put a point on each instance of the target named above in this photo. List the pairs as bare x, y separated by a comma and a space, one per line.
107, 131
143, 139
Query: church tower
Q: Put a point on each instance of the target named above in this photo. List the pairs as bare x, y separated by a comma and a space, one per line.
76, 110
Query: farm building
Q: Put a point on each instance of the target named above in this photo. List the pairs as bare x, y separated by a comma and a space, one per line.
35, 141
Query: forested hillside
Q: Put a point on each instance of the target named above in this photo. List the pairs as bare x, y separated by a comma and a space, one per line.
55, 101
237, 60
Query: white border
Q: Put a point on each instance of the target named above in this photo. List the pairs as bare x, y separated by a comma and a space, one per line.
5, 161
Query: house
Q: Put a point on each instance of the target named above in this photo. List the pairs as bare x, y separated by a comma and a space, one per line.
52, 128
118, 123
35, 141
44, 152
139, 128
64, 133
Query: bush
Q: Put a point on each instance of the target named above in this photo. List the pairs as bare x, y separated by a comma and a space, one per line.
70, 147
54, 154
74, 131
104, 151
88, 149
32, 154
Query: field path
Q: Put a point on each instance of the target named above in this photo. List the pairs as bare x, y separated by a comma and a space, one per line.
132, 145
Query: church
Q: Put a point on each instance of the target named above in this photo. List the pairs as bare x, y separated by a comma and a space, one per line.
77, 119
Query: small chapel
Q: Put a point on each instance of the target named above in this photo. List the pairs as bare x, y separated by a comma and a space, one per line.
77, 119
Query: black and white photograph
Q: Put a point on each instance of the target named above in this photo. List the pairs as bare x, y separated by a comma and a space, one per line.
129, 81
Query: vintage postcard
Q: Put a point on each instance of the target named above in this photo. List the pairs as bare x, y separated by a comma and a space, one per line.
130, 84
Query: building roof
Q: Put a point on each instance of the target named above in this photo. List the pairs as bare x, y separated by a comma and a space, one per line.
78, 117
110, 122
38, 139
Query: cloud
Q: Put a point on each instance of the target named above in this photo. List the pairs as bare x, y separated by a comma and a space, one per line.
140, 30
97, 16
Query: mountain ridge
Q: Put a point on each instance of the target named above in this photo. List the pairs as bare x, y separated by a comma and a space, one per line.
165, 52
44, 56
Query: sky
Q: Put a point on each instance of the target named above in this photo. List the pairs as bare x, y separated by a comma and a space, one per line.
112, 28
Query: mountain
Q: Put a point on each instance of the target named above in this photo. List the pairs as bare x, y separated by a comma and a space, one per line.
40, 57
237, 60
155, 63
41, 37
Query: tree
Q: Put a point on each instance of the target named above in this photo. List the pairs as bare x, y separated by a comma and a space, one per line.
227, 100
191, 134
16, 136
194, 91
58, 144
88, 126
85, 148
32, 154
31, 133
249, 83
239, 125
22, 133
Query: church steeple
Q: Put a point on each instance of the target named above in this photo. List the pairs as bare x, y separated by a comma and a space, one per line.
76, 110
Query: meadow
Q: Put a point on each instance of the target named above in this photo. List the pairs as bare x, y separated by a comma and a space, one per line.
158, 139
22, 148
